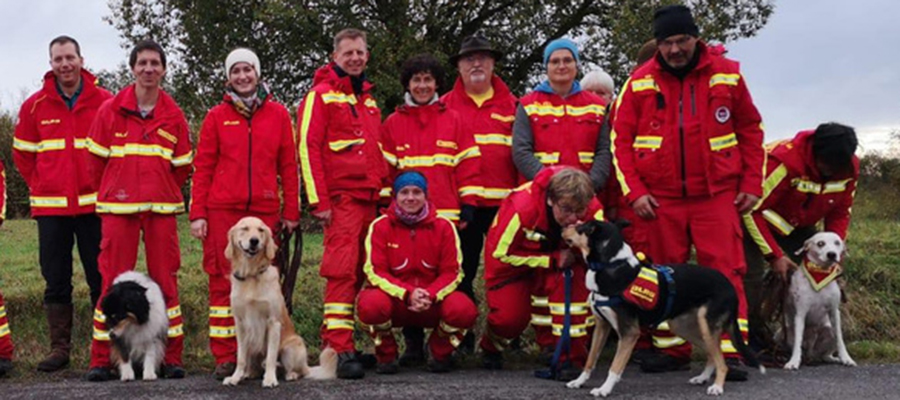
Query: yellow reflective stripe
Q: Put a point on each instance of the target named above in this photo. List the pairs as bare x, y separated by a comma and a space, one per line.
599, 215
80, 144
470, 191
146, 150
756, 234
369, 268
87, 199
724, 79
338, 308
449, 328
575, 331
503, 118
24, 145
39, 147
501, 253
612, 149
647, 142
426, 161
471, 152
183, 160
494, 193
305, 166
339, 145
541, 320
493, 138
595, 109
338, 97
585, 157
778, 222
99, 316
173, 312
2, 311
338, 323
449, 213
667, 342
389, 157
836, 186
540, 301
220, 312
639, 85
100, 335
441, 294
371, 103
574, 308
222, 332
4, 329
96, 149
805, 186
648, 275
723, 142
544, 109
547, 158
385, 192
176, 331
773, 180
743, 325
131, 208
48, 202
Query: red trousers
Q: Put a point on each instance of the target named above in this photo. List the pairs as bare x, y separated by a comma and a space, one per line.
118, 254
450, 319
342, 262
6, 344
712, 225
511, 307
222, 339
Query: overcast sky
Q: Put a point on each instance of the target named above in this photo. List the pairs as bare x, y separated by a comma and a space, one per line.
815, 61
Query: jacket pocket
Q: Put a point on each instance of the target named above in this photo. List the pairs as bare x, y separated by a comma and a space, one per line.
347, 158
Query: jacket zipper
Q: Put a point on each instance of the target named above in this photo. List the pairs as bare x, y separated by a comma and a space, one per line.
681, 138
249, 161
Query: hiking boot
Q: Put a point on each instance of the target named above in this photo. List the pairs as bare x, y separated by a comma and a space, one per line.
224, 370
5, 366
349, 367
389, 368
368, 360
440, 366
568, 373
640, 355
545, 357
467, 346
735, 373
414, 355
59, 318
99, 374
659, 362
172, 371
492, 360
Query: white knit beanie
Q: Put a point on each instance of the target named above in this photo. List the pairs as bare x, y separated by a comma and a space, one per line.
242, 55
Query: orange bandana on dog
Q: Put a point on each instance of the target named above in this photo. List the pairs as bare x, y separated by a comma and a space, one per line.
820, 277
644, 291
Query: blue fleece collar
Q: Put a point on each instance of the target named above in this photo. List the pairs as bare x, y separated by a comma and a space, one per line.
545, 87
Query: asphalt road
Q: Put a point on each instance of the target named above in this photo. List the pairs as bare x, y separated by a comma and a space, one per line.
819, 382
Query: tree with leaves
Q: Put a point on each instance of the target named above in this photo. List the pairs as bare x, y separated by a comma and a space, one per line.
294, 37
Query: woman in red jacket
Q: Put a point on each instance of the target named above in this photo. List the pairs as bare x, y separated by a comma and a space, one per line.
413, 268
246, 144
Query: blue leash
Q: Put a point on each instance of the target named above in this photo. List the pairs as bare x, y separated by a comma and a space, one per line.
564, 342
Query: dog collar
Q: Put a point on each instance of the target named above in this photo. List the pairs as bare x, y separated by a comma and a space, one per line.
600, 266
243, 278
820, 277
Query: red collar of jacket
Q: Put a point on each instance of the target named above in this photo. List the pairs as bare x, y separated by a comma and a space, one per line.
423, 114
391, 214
89, 84
126, 102
797, 156
501, 92
327, 75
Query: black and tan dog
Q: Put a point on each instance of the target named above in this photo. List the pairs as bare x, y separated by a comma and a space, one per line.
699, 303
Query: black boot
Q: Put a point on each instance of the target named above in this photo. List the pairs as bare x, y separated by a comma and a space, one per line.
492, 360
172, 371
414, 355
349, 367
5, 366
99, 374
735, 373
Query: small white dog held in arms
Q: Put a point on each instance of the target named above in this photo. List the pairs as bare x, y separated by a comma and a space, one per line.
265, 333
812, 307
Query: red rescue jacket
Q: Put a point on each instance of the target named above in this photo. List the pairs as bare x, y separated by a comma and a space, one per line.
339, 140
49, 148
795, 195
432, 140
400, 258
693, 137
520, 236
491, 125
143, 161
239, 162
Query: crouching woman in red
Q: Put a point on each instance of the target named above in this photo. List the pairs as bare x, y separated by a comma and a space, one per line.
413, 268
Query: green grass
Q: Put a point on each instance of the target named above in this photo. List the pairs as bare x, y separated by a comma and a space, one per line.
871, 315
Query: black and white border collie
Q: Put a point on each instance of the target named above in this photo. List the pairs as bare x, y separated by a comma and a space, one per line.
136, 318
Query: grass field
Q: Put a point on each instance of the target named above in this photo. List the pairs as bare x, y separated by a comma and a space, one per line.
871, 322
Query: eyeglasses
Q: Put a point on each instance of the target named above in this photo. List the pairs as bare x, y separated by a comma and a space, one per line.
564, 60
480, 57
681, 41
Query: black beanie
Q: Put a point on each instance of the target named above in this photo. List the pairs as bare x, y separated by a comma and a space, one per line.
835, 145
674, 20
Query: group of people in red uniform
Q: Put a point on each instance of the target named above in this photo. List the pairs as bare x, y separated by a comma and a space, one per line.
408, 204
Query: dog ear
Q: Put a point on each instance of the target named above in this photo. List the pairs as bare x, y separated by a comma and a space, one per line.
621, 223
136, 303
230, 248
806, 246
271, 247
587, 228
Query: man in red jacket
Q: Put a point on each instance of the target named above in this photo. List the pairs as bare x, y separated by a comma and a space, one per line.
6, 344
687, 145
141, 146
343, 171
49, 150
809, 178
488, 109
525, 256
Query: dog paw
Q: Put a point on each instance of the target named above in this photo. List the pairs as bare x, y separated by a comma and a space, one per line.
715, 390
699, 380
126, 375
576, 383
291, 376
601, 391
231, 380
847, 361
270, 381
792, 365
149, 376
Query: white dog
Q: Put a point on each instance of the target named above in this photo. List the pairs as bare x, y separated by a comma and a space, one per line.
812, 314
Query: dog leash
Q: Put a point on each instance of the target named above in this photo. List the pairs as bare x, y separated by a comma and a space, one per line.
289, 264
564, 343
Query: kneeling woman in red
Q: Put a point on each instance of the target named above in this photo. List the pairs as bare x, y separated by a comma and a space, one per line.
413, 268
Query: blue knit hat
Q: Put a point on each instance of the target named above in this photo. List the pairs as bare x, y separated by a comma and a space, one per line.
561, 43
408, 178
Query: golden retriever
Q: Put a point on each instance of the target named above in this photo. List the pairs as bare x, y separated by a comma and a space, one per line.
265, 333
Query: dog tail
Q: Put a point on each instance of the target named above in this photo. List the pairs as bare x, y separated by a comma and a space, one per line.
738, 340
327, 369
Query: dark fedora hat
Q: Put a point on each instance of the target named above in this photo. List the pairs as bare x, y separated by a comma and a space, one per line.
473, 44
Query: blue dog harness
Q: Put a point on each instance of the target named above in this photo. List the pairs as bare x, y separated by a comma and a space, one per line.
665, 271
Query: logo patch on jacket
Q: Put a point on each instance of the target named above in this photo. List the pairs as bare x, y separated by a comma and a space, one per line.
120, 134
166, 135
723, 114
644, 291
49, 121
446, 144
231, 123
